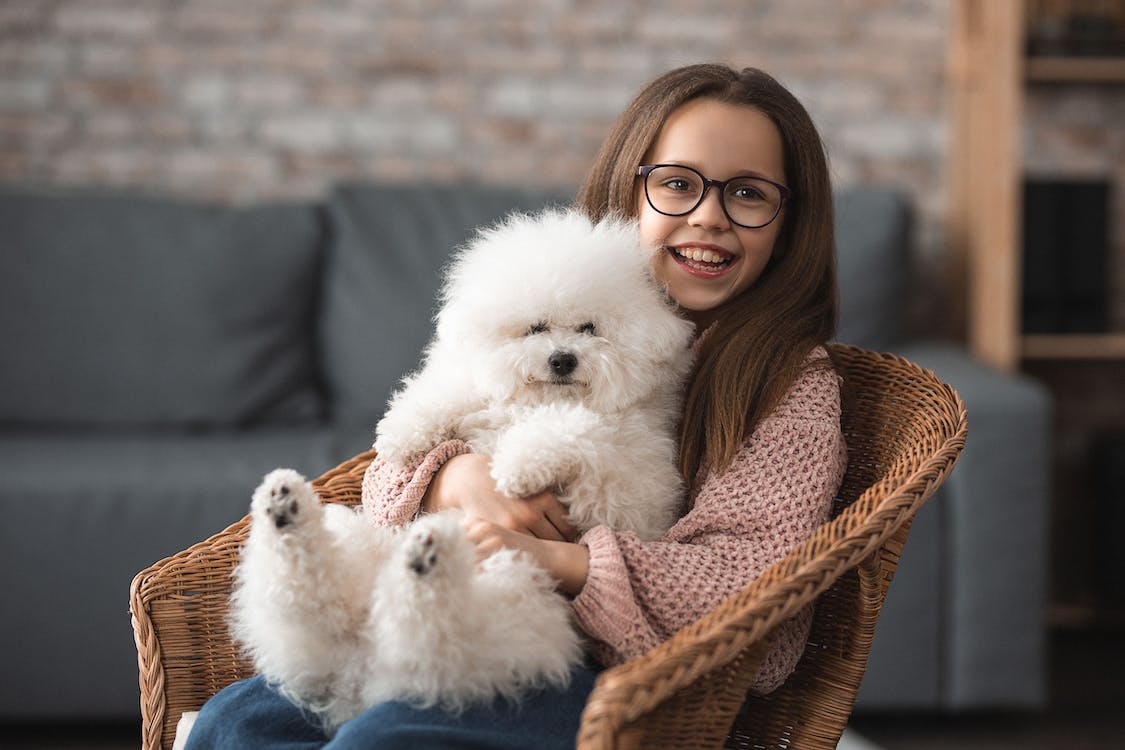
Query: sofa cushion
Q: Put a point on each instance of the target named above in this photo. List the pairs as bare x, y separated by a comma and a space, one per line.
85, 513
383, 272
123, 311
872, 250
997, 510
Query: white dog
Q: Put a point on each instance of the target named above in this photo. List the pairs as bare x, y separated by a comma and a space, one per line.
555, 354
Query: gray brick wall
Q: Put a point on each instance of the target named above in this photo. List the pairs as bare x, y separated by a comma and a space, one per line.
238, 100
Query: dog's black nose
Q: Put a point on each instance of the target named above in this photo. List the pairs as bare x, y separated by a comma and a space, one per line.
562, 363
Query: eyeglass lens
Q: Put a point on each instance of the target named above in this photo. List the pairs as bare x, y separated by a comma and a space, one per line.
676, 190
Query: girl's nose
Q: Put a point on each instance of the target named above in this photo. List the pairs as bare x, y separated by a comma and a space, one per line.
709, 214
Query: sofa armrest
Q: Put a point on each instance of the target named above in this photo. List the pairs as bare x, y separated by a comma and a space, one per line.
996, 507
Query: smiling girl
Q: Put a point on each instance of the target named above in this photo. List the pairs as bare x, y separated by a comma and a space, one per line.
727, 178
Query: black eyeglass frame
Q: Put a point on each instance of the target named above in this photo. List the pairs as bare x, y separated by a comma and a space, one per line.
646, 169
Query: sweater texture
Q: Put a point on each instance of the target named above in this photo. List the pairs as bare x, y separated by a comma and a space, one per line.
774, 495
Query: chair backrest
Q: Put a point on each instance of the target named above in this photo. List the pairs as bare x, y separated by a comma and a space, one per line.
905, 430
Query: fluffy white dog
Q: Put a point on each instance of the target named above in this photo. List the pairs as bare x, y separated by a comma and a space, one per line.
557, 355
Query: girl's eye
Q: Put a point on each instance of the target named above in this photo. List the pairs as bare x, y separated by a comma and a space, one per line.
535, 328
748, 194
587, 328
678, 185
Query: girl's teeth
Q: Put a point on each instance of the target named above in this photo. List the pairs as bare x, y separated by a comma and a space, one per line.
697, 254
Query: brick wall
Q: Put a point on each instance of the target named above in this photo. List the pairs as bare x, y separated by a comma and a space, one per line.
246, 99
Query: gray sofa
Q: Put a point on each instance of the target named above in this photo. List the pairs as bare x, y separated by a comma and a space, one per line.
161, 356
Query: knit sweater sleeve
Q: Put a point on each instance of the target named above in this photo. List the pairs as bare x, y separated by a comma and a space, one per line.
392, 494
778, 489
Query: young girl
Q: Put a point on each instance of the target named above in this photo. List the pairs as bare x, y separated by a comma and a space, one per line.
727, 176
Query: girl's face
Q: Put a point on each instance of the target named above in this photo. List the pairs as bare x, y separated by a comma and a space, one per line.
703, 258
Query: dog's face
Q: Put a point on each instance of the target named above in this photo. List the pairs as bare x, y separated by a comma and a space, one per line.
550, 308
558, 357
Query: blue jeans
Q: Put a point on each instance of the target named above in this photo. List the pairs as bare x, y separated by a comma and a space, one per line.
250, 714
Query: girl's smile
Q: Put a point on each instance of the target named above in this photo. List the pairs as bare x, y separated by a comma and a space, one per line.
702, 259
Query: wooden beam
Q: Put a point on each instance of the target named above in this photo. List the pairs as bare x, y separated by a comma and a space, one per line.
987, 79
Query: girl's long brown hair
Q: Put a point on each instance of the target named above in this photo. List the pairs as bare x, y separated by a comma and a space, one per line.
762, 338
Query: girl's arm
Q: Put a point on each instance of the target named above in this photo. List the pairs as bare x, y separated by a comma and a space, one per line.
448, 477
777, 491
392, 494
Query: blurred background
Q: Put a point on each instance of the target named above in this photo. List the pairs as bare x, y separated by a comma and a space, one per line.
198, 128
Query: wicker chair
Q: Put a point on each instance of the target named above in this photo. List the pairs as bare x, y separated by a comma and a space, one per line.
905, 430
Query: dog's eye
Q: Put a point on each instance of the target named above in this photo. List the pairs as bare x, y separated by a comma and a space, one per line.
539, 327
588, 328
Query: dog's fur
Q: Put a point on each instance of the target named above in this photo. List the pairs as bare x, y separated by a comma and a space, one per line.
555, 354
340, 616
547, 288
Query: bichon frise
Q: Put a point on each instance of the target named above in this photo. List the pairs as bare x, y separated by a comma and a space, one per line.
556, 354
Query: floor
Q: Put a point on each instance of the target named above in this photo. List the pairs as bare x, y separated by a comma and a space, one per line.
1087, 712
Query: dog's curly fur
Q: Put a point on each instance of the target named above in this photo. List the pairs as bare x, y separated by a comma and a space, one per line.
340, 616
557, 355
302, 594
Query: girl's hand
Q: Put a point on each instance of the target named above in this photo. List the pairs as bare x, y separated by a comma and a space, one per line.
465, 482
567, 563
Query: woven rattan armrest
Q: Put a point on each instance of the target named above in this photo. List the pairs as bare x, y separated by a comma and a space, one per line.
696, 682
692, 687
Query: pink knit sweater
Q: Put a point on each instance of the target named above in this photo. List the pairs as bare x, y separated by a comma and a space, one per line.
774, 495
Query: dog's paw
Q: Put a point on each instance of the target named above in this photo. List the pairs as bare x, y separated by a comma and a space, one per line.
284, 502
407, 432
522, 484
422, 551
519, 476
401, 446
436, 546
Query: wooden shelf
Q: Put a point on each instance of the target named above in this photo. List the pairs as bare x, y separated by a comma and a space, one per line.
1075, 69
1091, 346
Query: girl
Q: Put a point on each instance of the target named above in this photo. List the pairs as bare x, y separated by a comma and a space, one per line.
726, 175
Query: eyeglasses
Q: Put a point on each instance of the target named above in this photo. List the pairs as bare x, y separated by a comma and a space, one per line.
676, 190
